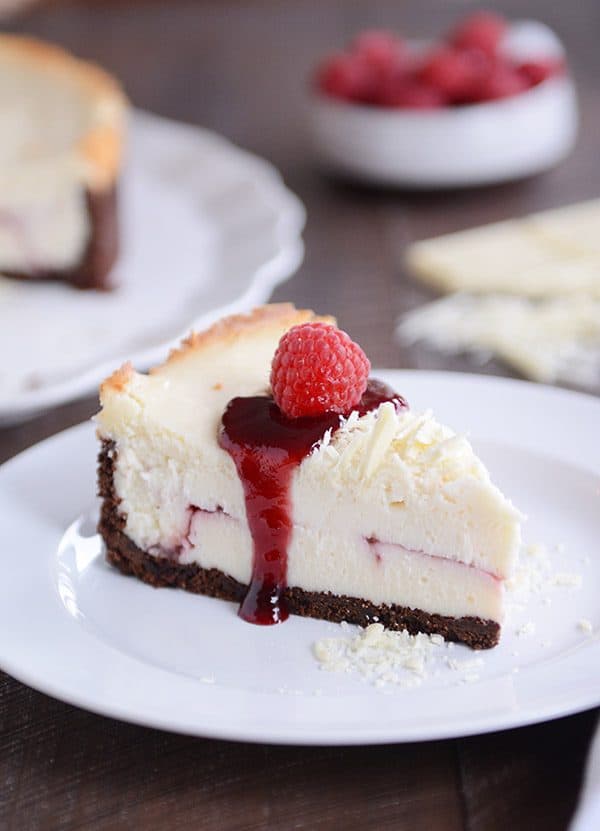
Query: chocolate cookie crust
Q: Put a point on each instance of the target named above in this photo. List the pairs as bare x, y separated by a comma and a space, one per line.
162, 571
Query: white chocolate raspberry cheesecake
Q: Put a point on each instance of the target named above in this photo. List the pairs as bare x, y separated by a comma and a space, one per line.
61, 138
274, 484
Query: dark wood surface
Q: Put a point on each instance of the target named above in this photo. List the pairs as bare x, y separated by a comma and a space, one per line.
237, 67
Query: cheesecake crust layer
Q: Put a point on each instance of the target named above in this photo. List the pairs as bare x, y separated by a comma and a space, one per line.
125, 555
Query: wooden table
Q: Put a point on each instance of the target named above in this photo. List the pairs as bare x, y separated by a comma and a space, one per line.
238, 67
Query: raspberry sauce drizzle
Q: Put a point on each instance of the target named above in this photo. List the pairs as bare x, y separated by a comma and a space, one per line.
266, 448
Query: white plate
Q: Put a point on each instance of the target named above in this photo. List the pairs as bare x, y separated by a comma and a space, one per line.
207, 229
76, 629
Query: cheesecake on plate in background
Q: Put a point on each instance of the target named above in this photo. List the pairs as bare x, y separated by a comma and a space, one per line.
62, 123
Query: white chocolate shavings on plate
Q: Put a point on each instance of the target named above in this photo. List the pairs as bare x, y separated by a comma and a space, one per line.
384, 658
379, 655
534, 575
566, 579
525, 629
552, 340
467, 668
388, 659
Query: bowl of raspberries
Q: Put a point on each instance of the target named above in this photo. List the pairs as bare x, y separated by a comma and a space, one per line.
489, 102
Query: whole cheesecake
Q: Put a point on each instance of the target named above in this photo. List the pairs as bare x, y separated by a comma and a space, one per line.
375, 514
61, 142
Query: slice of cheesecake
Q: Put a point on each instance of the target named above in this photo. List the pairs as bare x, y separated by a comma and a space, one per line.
377, 514
61, 138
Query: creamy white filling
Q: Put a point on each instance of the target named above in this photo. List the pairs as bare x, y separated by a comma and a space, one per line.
321, 561
438, 541
43, 116
424, 489
48, 229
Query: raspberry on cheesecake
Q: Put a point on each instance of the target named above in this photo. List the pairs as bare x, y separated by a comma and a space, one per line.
317, 369
245, 469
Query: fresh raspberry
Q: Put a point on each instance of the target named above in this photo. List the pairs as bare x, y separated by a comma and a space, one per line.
317, 369
346, 77
536, 71
502, 81
453, 71
410, 93
382, 51
482, 30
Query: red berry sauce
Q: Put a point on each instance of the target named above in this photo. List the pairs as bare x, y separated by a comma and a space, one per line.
266, 448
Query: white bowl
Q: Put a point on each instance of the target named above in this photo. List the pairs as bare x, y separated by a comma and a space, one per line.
456, 146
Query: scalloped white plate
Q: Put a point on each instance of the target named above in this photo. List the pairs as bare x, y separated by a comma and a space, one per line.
207, 229
76, 629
